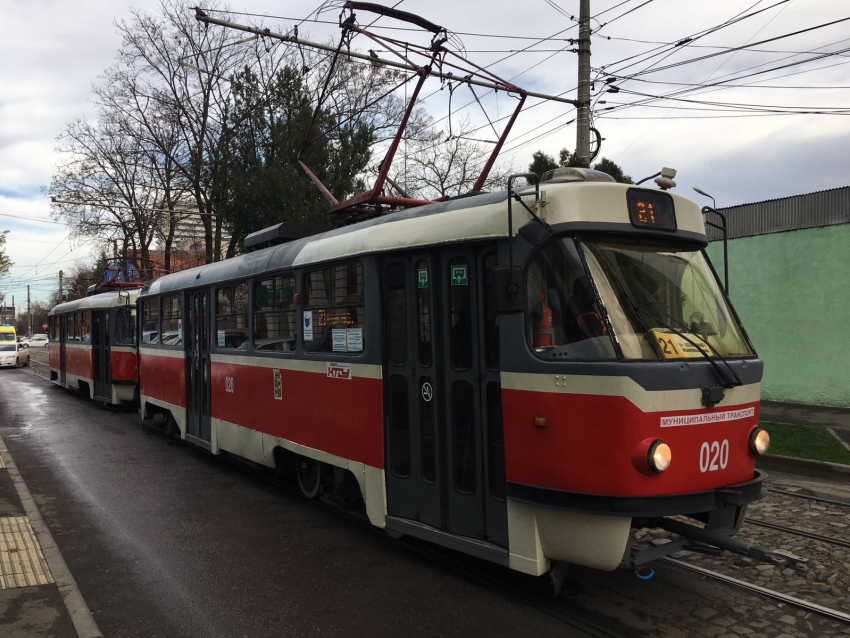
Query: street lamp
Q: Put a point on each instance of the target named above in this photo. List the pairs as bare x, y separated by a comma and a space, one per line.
724, 229
702, 192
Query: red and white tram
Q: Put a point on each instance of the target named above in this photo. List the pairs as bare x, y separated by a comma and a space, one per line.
92, 346
522, 379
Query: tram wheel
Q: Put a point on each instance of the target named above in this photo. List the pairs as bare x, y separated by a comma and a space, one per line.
309, 476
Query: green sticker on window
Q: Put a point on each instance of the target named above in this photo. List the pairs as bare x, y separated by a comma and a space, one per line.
423, 277
459, 276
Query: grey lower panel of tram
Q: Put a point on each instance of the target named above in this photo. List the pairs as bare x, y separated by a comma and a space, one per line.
475, 547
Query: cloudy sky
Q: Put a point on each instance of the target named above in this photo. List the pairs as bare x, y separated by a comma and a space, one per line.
51, 52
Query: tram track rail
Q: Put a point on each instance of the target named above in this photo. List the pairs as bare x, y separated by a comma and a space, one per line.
462, 566
799, 603
809, 497
799, 532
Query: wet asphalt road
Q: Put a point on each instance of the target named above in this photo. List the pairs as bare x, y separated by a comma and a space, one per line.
165, 540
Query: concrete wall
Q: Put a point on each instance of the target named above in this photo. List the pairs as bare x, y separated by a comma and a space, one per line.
792, 293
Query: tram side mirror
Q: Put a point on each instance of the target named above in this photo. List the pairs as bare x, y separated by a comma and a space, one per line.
534, 232
506, 288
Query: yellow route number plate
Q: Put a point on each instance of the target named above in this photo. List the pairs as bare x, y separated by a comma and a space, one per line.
673, 346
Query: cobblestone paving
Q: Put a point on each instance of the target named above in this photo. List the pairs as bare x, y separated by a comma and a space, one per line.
675, 604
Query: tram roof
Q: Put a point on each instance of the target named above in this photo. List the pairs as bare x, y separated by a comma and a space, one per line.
102, 300
478, 217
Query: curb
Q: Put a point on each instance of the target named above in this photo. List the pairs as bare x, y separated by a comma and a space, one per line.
78, 610
803, 467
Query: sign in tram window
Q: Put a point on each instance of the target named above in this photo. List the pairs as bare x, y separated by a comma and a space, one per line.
172, 320
337, 315
651, 209
150, 321
231, 319
85, 326
274, 314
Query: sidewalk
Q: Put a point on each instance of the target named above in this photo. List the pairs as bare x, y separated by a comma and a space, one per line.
836, 418
31, 605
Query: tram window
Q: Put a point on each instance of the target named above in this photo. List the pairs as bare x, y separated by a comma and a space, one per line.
231, 318
274, 314
423, 313
172, 320
495, 443
460, 326
400, 427
397, 314
463, 437
85, 326
334, 316
564, 318
125, 328
150, 321
72, 326
491, 319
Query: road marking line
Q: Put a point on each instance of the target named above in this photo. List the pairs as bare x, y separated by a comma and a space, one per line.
44, 555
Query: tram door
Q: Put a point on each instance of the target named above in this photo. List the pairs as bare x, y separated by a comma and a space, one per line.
196, 340
101, 354
445, 451
63, 337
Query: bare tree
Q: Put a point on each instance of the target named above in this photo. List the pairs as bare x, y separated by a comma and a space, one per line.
113, 194
439, 166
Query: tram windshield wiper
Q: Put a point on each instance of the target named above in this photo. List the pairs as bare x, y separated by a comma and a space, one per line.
727, 383
639, 314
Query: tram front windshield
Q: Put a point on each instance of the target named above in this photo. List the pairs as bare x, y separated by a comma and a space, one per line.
659, 302
662, 302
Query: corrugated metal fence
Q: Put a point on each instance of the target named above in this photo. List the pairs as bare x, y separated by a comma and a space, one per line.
812, 210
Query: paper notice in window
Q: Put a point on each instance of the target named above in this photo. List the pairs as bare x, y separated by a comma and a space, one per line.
355, 339
220, 335
308, 325
340, 340
673, 346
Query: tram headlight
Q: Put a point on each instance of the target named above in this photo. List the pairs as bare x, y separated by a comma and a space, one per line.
659, 456
759, 442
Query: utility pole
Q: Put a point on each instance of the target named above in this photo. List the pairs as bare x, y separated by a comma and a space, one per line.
583, 119
29, 312
61, 295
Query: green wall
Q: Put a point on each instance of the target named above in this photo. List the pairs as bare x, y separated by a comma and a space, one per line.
792, 293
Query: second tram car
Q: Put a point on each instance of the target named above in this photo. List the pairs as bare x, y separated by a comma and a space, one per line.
92, 346
523, 379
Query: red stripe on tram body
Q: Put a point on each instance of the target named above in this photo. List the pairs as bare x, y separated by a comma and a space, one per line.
590, 442
162, 378
124, 366
54, 357
78, 361
339, 416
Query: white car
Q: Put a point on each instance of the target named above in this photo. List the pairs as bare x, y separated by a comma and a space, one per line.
14, 354
37, 341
